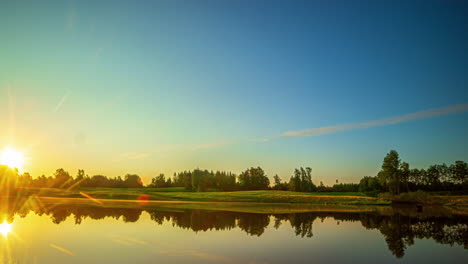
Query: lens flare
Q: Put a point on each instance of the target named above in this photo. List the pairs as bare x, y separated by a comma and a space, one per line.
12, 158
5, 228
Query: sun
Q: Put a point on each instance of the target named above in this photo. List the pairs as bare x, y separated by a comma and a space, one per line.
12, 158
5, 228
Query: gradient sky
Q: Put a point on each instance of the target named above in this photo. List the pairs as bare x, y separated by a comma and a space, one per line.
146, 87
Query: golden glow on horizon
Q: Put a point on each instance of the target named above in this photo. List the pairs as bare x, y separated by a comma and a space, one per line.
12, 158
5, 228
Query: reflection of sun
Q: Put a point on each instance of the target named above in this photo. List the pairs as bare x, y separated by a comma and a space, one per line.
5, 228
12, 158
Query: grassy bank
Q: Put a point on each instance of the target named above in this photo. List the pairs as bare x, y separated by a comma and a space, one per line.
427, 199
238, 197
258, 208
176, 194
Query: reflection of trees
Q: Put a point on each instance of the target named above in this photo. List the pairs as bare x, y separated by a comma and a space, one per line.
398, 227
400, 231
253, 224
300, 222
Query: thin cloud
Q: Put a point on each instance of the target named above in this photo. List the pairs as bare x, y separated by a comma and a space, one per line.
375, 123
62, 100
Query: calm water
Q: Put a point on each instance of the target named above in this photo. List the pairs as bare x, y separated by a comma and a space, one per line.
67, 233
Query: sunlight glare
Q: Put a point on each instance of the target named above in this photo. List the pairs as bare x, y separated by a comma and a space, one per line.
12, 158
5, 228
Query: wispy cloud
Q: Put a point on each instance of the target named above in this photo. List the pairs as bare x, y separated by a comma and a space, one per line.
375, 123
62, 100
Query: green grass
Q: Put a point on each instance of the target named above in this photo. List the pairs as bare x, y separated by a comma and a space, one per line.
270, 201
178, 194
265, 208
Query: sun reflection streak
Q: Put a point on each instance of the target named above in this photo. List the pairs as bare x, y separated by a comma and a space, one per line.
66, 251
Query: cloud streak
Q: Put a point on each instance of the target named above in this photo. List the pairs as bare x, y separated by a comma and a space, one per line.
62, 100
375, 123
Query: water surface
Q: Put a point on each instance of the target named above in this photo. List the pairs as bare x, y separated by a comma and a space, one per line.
77, 233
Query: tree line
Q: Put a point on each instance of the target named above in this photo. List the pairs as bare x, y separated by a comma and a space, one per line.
197, 180
396, 177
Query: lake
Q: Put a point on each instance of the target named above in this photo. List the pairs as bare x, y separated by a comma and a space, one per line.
44, 232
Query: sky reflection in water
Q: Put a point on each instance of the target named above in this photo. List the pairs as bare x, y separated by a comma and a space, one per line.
66, 233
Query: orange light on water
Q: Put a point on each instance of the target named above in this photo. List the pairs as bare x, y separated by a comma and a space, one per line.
143, 199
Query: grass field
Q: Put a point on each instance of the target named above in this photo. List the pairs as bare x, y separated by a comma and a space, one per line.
179, 194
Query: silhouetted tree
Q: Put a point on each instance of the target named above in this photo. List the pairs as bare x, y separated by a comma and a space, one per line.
133, 181
389, 176
62, 179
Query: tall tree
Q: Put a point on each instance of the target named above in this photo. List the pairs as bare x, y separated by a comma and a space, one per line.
62, 178
133, 181
459, 172
389, 175
404, 175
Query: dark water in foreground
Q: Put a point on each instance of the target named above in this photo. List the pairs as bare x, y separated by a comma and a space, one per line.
64, 233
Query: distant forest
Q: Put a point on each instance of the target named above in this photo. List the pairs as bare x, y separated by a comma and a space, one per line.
395, 177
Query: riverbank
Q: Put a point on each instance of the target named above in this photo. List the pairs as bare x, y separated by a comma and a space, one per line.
178, 195
148, 194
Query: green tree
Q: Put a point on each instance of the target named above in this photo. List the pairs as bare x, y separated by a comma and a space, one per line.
254, 179
369, 184
404, 175
459, 172
133, 181
389, 175
159, 181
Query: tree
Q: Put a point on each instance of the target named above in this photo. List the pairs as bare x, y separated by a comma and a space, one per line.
302, 181
99, 181
433, 176
404, 174
369, 184
159, 181
80, 178
80, 175
62, 179
277, 180
459, 172
254, 179
415, 177
133, 181
389, 175
25, 179
278, 184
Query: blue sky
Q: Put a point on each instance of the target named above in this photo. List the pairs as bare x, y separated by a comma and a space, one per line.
162, 86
